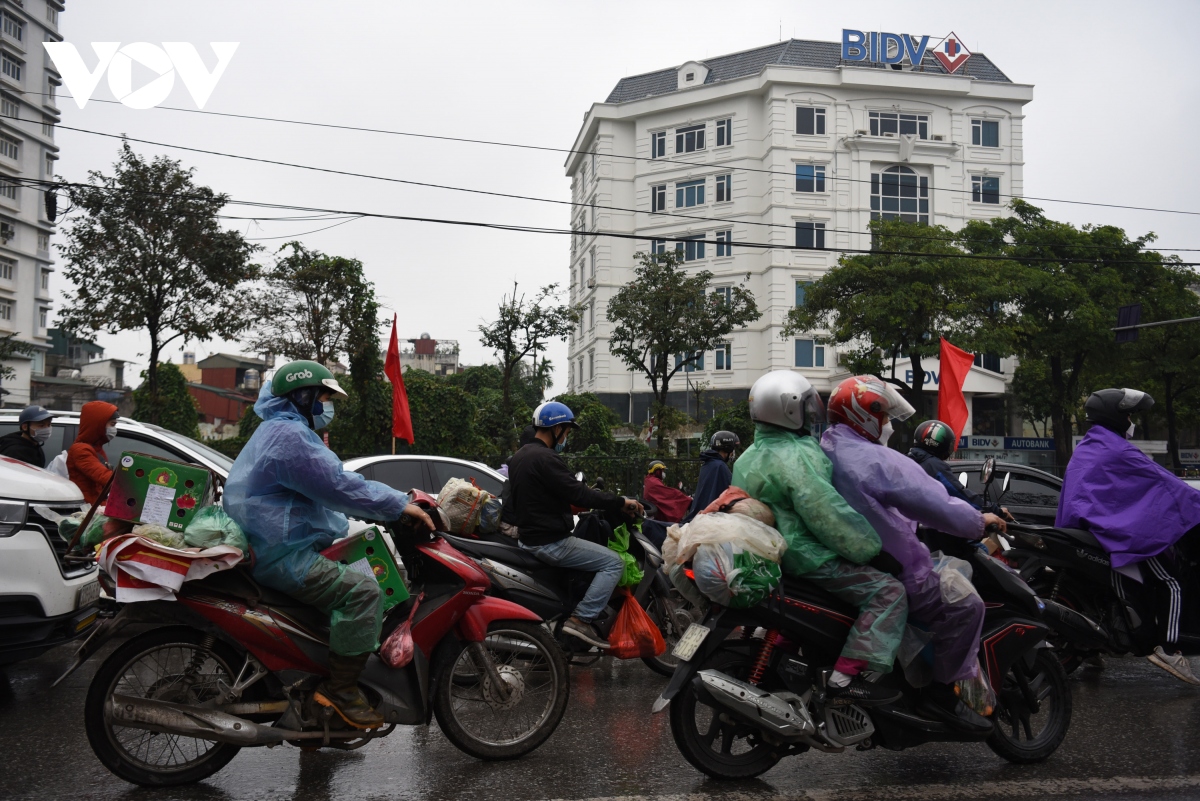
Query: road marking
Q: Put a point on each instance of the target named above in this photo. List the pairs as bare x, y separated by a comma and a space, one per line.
935, 792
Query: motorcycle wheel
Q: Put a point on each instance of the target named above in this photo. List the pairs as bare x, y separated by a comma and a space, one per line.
1021, 735
472, 714
671, 626
714, 742
156, 665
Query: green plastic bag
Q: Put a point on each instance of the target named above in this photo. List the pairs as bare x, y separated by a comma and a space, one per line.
753, 581
632, 575
212, 527
94, 534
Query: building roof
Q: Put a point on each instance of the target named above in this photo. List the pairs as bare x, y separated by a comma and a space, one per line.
792, 53
224, 392
227, 360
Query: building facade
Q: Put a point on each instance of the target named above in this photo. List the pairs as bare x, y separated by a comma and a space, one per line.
437, 356
788, 145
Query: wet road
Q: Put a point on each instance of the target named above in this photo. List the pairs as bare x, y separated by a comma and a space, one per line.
1135, 734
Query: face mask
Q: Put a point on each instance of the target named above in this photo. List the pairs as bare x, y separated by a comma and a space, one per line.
1129, 431
110, 432
886, 433
559, 446
41, 435
323, 418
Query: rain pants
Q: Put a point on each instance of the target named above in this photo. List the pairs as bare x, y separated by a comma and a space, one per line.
894, 494
829, 543
715, 478
290, 495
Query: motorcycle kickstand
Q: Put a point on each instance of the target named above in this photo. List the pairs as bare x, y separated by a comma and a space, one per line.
484, 663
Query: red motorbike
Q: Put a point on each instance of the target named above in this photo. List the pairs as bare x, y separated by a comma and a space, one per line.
231, 664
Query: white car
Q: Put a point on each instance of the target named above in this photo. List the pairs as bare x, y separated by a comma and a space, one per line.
427, 473
45, 600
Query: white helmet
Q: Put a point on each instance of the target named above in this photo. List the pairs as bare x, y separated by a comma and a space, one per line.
786, 399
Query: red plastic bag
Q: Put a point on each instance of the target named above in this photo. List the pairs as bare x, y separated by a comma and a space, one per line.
397, 650
634, 635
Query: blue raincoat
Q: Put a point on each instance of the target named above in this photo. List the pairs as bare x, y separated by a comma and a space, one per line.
290, 495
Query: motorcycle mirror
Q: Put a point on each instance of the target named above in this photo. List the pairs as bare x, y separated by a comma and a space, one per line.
989, 468
962, 479
1004, 486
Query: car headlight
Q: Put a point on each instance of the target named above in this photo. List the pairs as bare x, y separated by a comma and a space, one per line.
12, 517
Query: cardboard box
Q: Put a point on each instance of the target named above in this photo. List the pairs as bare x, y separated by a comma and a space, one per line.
368, 553
147, 489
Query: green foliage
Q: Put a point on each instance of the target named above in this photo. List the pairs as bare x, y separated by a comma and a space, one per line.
666, 311
146, 250
595, 421
443, 418
10, 347
731, 416
362, 424
173, 408
249, 423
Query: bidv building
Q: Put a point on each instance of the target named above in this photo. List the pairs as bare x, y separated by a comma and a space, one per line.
799, 143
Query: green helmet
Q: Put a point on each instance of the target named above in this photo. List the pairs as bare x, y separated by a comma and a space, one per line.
304, 373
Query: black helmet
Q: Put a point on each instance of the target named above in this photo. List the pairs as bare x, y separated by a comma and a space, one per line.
724, 441
1113, 408
934, 436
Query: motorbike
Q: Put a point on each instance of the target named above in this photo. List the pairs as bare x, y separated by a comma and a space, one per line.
739, 704
231, 664
553, 592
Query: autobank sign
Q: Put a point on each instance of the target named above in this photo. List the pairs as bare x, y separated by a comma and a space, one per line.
881, 47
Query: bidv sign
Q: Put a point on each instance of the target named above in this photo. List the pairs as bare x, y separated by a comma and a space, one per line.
896, 48
164, 61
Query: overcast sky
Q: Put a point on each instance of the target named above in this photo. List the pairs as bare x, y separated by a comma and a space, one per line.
1114, 119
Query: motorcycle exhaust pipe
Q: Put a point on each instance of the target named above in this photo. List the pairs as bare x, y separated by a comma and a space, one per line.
1080, 630
757, 706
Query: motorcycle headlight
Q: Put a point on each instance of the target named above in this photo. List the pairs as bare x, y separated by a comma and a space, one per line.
12, 517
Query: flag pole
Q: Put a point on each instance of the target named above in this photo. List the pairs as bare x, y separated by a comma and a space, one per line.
393, 446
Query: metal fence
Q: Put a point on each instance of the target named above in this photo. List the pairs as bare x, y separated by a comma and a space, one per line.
626, 476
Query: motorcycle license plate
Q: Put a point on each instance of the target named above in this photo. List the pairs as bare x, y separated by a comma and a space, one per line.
690, 642
88, 595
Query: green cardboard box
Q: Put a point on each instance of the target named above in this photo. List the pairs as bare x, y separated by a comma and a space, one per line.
367, 552
147, 489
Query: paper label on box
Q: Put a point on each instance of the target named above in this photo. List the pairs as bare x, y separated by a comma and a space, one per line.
159, 503
362, 566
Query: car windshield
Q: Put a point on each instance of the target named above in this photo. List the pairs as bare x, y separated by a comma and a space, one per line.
216, 457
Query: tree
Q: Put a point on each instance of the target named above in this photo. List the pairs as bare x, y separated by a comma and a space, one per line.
524, 329
595, 421
10, 347
886, 306
731, 416
362, 424
306, 308
148, 252
443, 417
173, 407
664, 320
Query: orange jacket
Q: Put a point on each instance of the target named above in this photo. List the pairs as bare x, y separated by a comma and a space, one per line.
86, 464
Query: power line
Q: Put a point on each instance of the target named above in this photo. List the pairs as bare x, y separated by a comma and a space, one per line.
306, 233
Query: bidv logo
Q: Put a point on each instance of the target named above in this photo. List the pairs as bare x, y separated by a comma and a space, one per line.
895, 48
299, 375
164, 61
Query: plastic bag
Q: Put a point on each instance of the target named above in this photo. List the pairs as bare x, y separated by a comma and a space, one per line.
160, 534
58, 466
917, 664
634, 635
746, 532
632, 575
67, 526
489, 518
955, 577
211, 527
737, 501
463, 504
397, 649
733, 577
103, 528
976, 692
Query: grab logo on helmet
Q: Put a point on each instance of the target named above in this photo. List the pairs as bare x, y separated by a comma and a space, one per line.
298, 376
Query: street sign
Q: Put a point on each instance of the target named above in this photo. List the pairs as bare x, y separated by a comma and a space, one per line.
1189, 455
1028, 443
1128, 316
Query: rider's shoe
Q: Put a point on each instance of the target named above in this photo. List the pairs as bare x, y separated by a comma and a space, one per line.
862, 692
340, 692
1095, 661
585, 631
1177, 665
942, 701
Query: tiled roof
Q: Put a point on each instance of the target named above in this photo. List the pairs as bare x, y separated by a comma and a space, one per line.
794, 52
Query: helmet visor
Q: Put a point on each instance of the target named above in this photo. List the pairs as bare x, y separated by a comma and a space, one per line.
814, 408
897, 407
1135, 400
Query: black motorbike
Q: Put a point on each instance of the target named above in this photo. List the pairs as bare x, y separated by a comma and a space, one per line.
739, 705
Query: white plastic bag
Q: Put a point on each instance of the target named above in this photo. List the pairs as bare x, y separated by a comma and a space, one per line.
712, 565
463, 504
746, 532
955, 577
58, 465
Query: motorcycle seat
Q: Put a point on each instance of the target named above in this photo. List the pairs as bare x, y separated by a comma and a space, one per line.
512, 555
1083, 537
800, 590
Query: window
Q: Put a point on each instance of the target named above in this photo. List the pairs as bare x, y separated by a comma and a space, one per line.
10, 147
801, 291
724, 248
988, 361
723, 357
985, 133
724, 132
14, 27
125, 442
45, 279
658, 198
9, 107
6, 310
691, 76
443, 471
591, 314
583, 173
899, 193
52, 15
43, 317
8, 268
658, 145
1029, 491
884, 123
592, 264
50, 165
810, 121
691, 248
658, 246
985, 189
689, 193
11, 66
591, 365
724, 188
810, 235
809, 353
690, 139
401, 474
8, 189
694, 366
51, 92
724, 294
810, 177
48, 127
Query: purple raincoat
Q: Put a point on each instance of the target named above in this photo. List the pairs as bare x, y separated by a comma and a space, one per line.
1134, 507
894, 493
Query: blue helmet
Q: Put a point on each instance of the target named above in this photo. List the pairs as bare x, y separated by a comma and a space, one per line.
553, 413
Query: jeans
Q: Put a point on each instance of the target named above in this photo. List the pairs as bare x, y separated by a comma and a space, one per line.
583, 555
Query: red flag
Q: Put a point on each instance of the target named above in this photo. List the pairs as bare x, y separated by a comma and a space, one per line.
952, 406
401, 419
